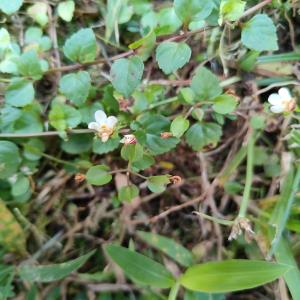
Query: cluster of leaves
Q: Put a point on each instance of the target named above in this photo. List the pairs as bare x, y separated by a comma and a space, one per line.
87, 80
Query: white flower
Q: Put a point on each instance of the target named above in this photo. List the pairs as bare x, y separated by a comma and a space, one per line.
128, 139
282, 101
104, 126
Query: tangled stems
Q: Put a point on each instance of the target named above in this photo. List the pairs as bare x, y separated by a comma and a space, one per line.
249, 175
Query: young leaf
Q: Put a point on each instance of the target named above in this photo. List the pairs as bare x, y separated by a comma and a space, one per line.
81, 46
53, 272
140, 267
203, 134
172, 56
205, 84
157, 184
126, 74
224, 104
231, 275
132, 152
193, 10
29, 65
9, 159
10, 6
65, 10
231, 10
168, 246
98, 175
179, 126
260, 34
76, 86
127, 193
39, 13
19, 93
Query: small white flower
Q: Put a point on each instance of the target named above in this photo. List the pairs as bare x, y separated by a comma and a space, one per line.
104, 126
128, 139
281, 101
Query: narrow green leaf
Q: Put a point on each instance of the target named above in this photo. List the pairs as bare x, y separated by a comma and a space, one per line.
140, 267
168, 246
231, 275
53, 272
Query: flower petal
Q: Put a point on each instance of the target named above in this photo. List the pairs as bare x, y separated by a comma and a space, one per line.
94, 126
285, 93
274, 99
111, 121
277, 109
100, 117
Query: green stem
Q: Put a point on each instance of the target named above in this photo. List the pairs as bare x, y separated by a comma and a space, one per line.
174, 291
249, 176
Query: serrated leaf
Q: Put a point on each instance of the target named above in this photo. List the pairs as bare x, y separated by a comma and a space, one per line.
157, 184
10, 6
76, 86
140, 267
145, 162
101, 148
132, 152
205, 84
193, 10
98, 175
224, 104
81, 46
260, 34
66, 9
19, 93
203, 134
168, 246
179, 126
231, 275
52, 272
172, 56
126, 74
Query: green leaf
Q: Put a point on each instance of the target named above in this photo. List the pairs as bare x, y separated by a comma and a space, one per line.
224, 104
284, 255
52, 272
231, 10
157, 145
193, 10
260, 34
33, 149
231, 275
132, 152
126, 74
66, 9
203, 134
140, 267
39, 13
63, 116
98, 175
179, 126
21, 186
100, 148
189, 295
76, 86
81, 46
145, 162
77, 144
205, 84
172, 56
19, 93
29, 65
10, 6
157, 184
168, 21
127, 193
9, 159
168, 246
